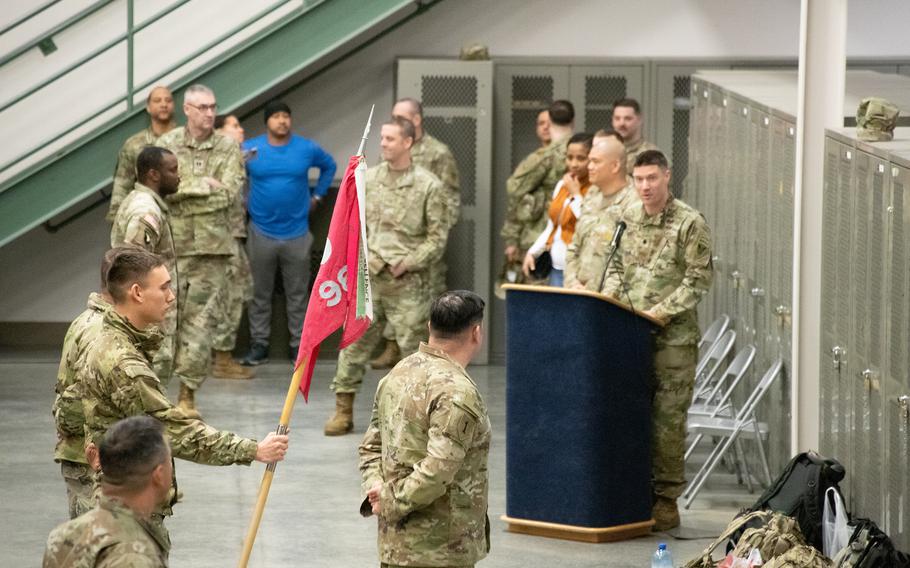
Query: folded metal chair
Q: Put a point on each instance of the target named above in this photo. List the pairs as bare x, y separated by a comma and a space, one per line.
712, 360
715, 330
728, 430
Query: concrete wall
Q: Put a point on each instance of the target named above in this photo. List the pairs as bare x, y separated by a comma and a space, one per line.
46, 277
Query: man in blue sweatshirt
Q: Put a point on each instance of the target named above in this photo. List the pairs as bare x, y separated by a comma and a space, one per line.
279, 238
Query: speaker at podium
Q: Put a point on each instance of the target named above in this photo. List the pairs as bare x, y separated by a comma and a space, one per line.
578, 415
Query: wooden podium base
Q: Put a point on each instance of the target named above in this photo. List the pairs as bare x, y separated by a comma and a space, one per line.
581, 534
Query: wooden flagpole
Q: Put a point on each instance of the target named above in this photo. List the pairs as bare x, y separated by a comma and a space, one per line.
270, 469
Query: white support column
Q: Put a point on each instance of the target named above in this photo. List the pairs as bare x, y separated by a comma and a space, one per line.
822, 62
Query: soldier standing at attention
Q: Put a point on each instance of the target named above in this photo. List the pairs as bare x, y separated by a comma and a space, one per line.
160, 107
118, 380
530, 186
431, 154
211, 178
119, 532
586, 258
407, 227
142, 220
238, 290
627, 122
663, 268
69, 418
423, 459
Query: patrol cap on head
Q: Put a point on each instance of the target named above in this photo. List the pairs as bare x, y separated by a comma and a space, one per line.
875, 119
274, 106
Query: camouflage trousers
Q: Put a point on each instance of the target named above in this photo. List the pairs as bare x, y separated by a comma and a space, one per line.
237, 292
437, 278
403, 303
79, 487
202, 279
163, 363
674, 373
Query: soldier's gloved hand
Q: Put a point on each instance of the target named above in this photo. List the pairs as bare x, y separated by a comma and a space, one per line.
373, 497
272, 448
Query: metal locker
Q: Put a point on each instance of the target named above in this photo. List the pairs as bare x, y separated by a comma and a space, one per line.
594, 88
457, 98
896, 467
761, 252
714, 170
521, 92
733, 193
829, 366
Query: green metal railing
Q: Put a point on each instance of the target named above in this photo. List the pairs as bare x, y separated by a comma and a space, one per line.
131, 88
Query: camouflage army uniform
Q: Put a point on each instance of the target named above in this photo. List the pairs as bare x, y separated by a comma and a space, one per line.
434, 156
142, 220
202, 220
665, 261
119, 382
586, 257
406, 222
109, 536
125, 171
528, 194
633, 150
239, 289
69, 418
427, 444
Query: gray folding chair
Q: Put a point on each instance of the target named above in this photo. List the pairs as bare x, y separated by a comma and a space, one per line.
712, 360
715, 330
729, 430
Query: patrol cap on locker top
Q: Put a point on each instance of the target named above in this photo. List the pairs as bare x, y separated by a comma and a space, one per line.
876, 119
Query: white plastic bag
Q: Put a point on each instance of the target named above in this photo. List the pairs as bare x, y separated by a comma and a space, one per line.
835, 534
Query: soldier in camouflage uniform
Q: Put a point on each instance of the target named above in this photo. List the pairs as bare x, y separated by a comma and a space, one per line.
69, 419
202, 212
119, 382
142, 220
119, 532
423, 460
627, 122
160, 106
407, 227
531, 185
663, 269
432, 155
586, 258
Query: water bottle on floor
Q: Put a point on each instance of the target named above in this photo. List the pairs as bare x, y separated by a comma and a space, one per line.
661, 557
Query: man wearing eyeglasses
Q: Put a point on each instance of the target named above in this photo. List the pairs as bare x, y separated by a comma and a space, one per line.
203, 213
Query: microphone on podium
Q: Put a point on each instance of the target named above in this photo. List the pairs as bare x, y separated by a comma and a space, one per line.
617, 236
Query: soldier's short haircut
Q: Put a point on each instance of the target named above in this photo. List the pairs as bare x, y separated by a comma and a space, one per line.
129, 265
193, 90
454, 312
416, 106
148, 99
652, 158
106, 262
149, 159
562, 112
406, 126
130, 450
628, 102
607, 132
584, 138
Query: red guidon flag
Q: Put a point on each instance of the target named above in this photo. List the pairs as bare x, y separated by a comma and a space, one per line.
341, 294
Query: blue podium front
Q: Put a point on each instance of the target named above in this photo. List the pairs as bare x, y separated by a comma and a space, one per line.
578, 415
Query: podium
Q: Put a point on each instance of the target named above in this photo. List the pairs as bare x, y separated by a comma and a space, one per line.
578, 415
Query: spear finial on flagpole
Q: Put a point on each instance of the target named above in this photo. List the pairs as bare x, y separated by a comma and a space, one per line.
366, 132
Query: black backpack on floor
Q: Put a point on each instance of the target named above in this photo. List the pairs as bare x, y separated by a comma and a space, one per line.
870, 548
799, 492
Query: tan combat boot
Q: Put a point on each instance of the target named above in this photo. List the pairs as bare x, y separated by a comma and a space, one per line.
226, 368
342, 421
187, 401
665, 514
388, 358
